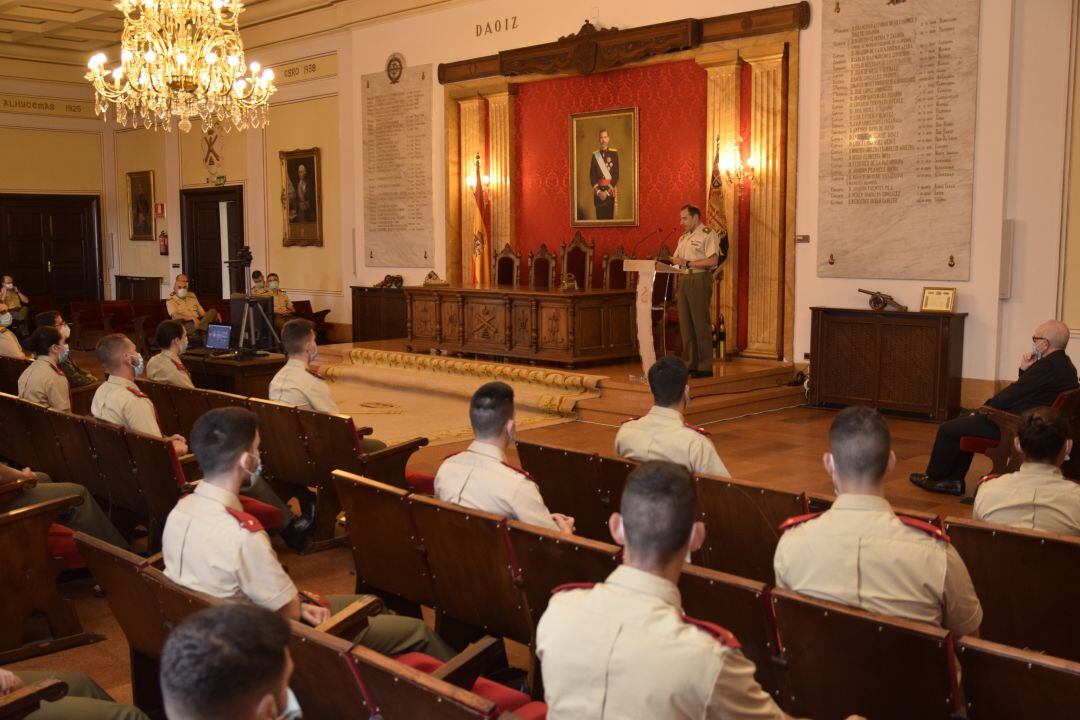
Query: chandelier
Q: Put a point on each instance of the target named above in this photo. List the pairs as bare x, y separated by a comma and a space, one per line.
183, 59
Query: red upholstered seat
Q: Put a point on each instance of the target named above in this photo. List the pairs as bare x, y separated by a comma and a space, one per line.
62, 546
268, 516
420, 482
507, 699
533, 711
971, 444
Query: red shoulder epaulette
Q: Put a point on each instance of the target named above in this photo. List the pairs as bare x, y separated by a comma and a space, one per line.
180, 367
986, 479
573, 586
57, 370
697, 429
925, 527
797, 520
247, 521
724, 636
314, 372
137, 392
518, 470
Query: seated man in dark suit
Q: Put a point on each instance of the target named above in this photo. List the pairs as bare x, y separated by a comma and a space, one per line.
1045, 373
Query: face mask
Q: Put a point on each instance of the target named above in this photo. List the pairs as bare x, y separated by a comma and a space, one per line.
9, 286
292, 707
181, 293
274, 284
259, 283
64, 353
254, 475
1035, 351
139, 366
183, 346
5, 319
65, 331
314, 355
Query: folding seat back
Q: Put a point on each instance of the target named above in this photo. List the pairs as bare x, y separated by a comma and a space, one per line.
472, 567
1026, 582
176, 602
388, 464
10, 370
161, 395
118, 316
612, 473
738, 605
742, 525
333, 442
283, 445
116, 466
160, 477
841, 660
190, 405
820, 502
548, 559
385, 544
218, 399
18, 441
325, 679
78, 454
569, 482
399, 692
1001, 682
50, 460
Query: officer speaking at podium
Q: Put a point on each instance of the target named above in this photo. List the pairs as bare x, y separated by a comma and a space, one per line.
698, 251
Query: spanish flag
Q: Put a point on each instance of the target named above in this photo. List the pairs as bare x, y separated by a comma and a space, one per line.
482, 235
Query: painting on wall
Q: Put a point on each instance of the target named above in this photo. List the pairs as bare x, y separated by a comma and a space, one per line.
603, 168
140, 187
301, 197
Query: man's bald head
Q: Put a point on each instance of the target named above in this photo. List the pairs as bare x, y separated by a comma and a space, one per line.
1055, 332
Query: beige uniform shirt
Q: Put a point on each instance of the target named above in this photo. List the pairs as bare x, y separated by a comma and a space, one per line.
9, 344
282, 304
121, 402
10, 298
623, 651
663, 435
1036, 497
479, 478
165, 367
211, 545
860, 553
296, 385
699, 244
45, 384
187, 308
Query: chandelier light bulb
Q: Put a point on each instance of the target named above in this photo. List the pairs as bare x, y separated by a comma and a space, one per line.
232, 60
211, 57
126, 56
268, 75
255, 68
118, 73
181, 57
150, 56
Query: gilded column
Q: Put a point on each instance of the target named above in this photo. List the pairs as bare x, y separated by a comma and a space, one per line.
723, 108
472, 117
501, 167
768, 144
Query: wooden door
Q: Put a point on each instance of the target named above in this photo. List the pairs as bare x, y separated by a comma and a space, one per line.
200, 227
51, 244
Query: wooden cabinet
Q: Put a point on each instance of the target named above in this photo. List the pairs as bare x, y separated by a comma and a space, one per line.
907, 362
377, 313
132, 287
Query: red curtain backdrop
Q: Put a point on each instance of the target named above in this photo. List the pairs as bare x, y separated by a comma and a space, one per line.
671, 153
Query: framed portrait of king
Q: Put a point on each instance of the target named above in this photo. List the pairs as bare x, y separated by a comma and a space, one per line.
140, 192
604, 168
301, 197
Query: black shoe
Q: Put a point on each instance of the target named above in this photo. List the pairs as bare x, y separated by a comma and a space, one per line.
297, 535
946, 487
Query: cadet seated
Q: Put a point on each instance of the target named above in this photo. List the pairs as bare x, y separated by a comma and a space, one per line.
184, 306
859, 553
44, 382
166, 367
9, 344
77, 377
480, 478
85, 699
662, 434
1037, 496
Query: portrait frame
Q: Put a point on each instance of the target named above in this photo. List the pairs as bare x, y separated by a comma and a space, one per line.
938, 299
586, 180
301, 220
140, 196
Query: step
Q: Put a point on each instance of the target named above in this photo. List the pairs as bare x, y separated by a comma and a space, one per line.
701, 411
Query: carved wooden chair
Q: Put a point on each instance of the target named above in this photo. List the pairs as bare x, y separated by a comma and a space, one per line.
1003, 452
615, 277
506, 268
577, 259
542, 269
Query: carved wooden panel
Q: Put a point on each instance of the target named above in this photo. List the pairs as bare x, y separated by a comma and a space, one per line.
485, 322
451, 319
425, 318
590, 328
850, 369
908, 356
621, 327
522, 324
554, 327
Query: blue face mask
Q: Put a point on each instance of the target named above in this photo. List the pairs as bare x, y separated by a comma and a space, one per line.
255, 475
1035, 351
5, 319
64, 353
139, 366
314, 355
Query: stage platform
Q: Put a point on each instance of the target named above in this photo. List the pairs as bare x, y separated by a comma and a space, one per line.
738, 387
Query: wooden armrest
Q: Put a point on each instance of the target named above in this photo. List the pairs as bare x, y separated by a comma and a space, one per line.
472, 662
320, 316
186, 460
364, 431
999, 417
348, 623
156, 560
404, 448
27, 699
12, 488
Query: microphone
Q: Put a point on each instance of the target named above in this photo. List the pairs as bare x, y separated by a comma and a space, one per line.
647, 236
673, 231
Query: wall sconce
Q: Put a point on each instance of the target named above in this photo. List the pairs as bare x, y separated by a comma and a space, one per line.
471, 178
734, 170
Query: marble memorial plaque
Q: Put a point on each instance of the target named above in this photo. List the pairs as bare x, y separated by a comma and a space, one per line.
897, 139
398, 215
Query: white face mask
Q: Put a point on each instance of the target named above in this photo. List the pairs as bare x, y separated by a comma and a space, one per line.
274, 284
181, 293
9, 286
292, 707
65, 331
5, 319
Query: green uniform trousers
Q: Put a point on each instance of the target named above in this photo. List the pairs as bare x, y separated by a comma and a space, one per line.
262, 492
694, 298
76, 376
394, 634
85, 700
87, 517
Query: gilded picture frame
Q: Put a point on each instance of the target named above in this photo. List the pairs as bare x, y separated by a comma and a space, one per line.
604, 168
301, 197
938, 299
140, 196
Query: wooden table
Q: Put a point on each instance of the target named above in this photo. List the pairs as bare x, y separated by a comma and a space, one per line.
377, 313
248, 376
556, 327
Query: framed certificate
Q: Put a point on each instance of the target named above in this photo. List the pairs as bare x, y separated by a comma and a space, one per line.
938, 299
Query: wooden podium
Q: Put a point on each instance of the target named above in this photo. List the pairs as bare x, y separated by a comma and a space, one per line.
647, 271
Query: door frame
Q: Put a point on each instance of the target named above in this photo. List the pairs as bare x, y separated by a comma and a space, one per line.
233, 193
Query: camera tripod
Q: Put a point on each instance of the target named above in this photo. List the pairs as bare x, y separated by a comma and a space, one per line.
246, 341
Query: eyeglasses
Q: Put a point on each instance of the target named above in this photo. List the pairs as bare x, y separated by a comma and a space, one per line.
1036, 338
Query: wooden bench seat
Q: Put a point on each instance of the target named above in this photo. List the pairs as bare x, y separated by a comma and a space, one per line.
1003, 683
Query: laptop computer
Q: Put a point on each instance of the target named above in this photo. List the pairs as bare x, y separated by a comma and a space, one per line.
217, 338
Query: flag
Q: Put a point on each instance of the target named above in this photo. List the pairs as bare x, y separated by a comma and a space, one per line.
481, 234
715, 217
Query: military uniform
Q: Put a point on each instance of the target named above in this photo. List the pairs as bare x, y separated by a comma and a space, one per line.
283, 307
87, 517
45, 384
190, 312
624, 649
84, 700
165, 367
20, 313
694, 298
859, 553
604, 177
120, 401
9, 344
663, 435
77, 377
479, 478
211, 545
1036, 497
